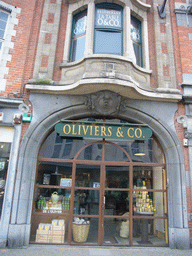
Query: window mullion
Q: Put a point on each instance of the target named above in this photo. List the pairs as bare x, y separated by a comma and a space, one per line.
90, 29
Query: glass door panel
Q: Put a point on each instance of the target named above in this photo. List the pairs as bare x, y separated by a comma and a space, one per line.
116, 202
117, 177
86, 209
86, 202
116, 231
87, 176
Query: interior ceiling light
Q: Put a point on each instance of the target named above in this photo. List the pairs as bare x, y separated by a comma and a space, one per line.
139, 154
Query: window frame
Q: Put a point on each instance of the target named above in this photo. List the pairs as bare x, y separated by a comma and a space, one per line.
75, 18
138, 43
140, 12
108, 29
2, 40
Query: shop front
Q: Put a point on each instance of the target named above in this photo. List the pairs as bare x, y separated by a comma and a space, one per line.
105, 192
95, 188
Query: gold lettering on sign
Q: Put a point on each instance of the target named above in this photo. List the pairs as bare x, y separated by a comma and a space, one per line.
119, 132
79, 131
69, 129
103, 131
138, 133
96, 130
91, 130
128, 132
109, 131
85, 129
73, 129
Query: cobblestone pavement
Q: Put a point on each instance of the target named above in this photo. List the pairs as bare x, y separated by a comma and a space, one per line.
60, 250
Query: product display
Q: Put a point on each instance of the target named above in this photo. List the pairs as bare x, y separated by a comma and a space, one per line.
143, 201
55, 204
51, 233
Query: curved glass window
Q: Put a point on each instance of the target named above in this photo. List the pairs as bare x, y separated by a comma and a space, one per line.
78, 36
136, 40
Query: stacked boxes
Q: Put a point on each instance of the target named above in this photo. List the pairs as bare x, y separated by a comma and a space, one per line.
43, 234
51, 233
143, 202
58, 231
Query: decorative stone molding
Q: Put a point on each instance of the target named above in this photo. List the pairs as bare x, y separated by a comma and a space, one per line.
139, 4
102, 66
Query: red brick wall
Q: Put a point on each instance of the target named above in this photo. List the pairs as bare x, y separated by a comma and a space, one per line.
25, 43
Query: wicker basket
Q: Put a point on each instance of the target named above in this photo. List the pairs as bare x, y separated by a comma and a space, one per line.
80, 232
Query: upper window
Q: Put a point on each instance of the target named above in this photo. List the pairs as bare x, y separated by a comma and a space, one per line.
108, 29
78, 36
136, 40
3, 22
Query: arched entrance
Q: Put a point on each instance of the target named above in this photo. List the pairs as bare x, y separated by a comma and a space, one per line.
21, 227
109, 193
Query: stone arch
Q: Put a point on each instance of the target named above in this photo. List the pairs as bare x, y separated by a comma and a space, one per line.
37, 132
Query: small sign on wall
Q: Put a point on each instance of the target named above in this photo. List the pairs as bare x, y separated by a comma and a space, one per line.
27, 117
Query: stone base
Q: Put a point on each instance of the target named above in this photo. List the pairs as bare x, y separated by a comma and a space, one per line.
179, 238
18, 235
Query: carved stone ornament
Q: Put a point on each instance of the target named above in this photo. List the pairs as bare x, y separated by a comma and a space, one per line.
104, 102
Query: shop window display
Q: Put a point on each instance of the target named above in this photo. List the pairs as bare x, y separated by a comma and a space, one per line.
117, 188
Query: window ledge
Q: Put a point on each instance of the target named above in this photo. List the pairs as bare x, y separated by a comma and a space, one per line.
105, 66
106, 72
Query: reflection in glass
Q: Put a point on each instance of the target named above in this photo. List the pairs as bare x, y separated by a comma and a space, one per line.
92, 152
66, 148
113, 153
78, 36
86, 202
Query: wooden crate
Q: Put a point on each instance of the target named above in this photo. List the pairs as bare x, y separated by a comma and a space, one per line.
57, 239
58, 232
43, 238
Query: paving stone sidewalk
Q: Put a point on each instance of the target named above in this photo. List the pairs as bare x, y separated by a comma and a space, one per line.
60, 250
